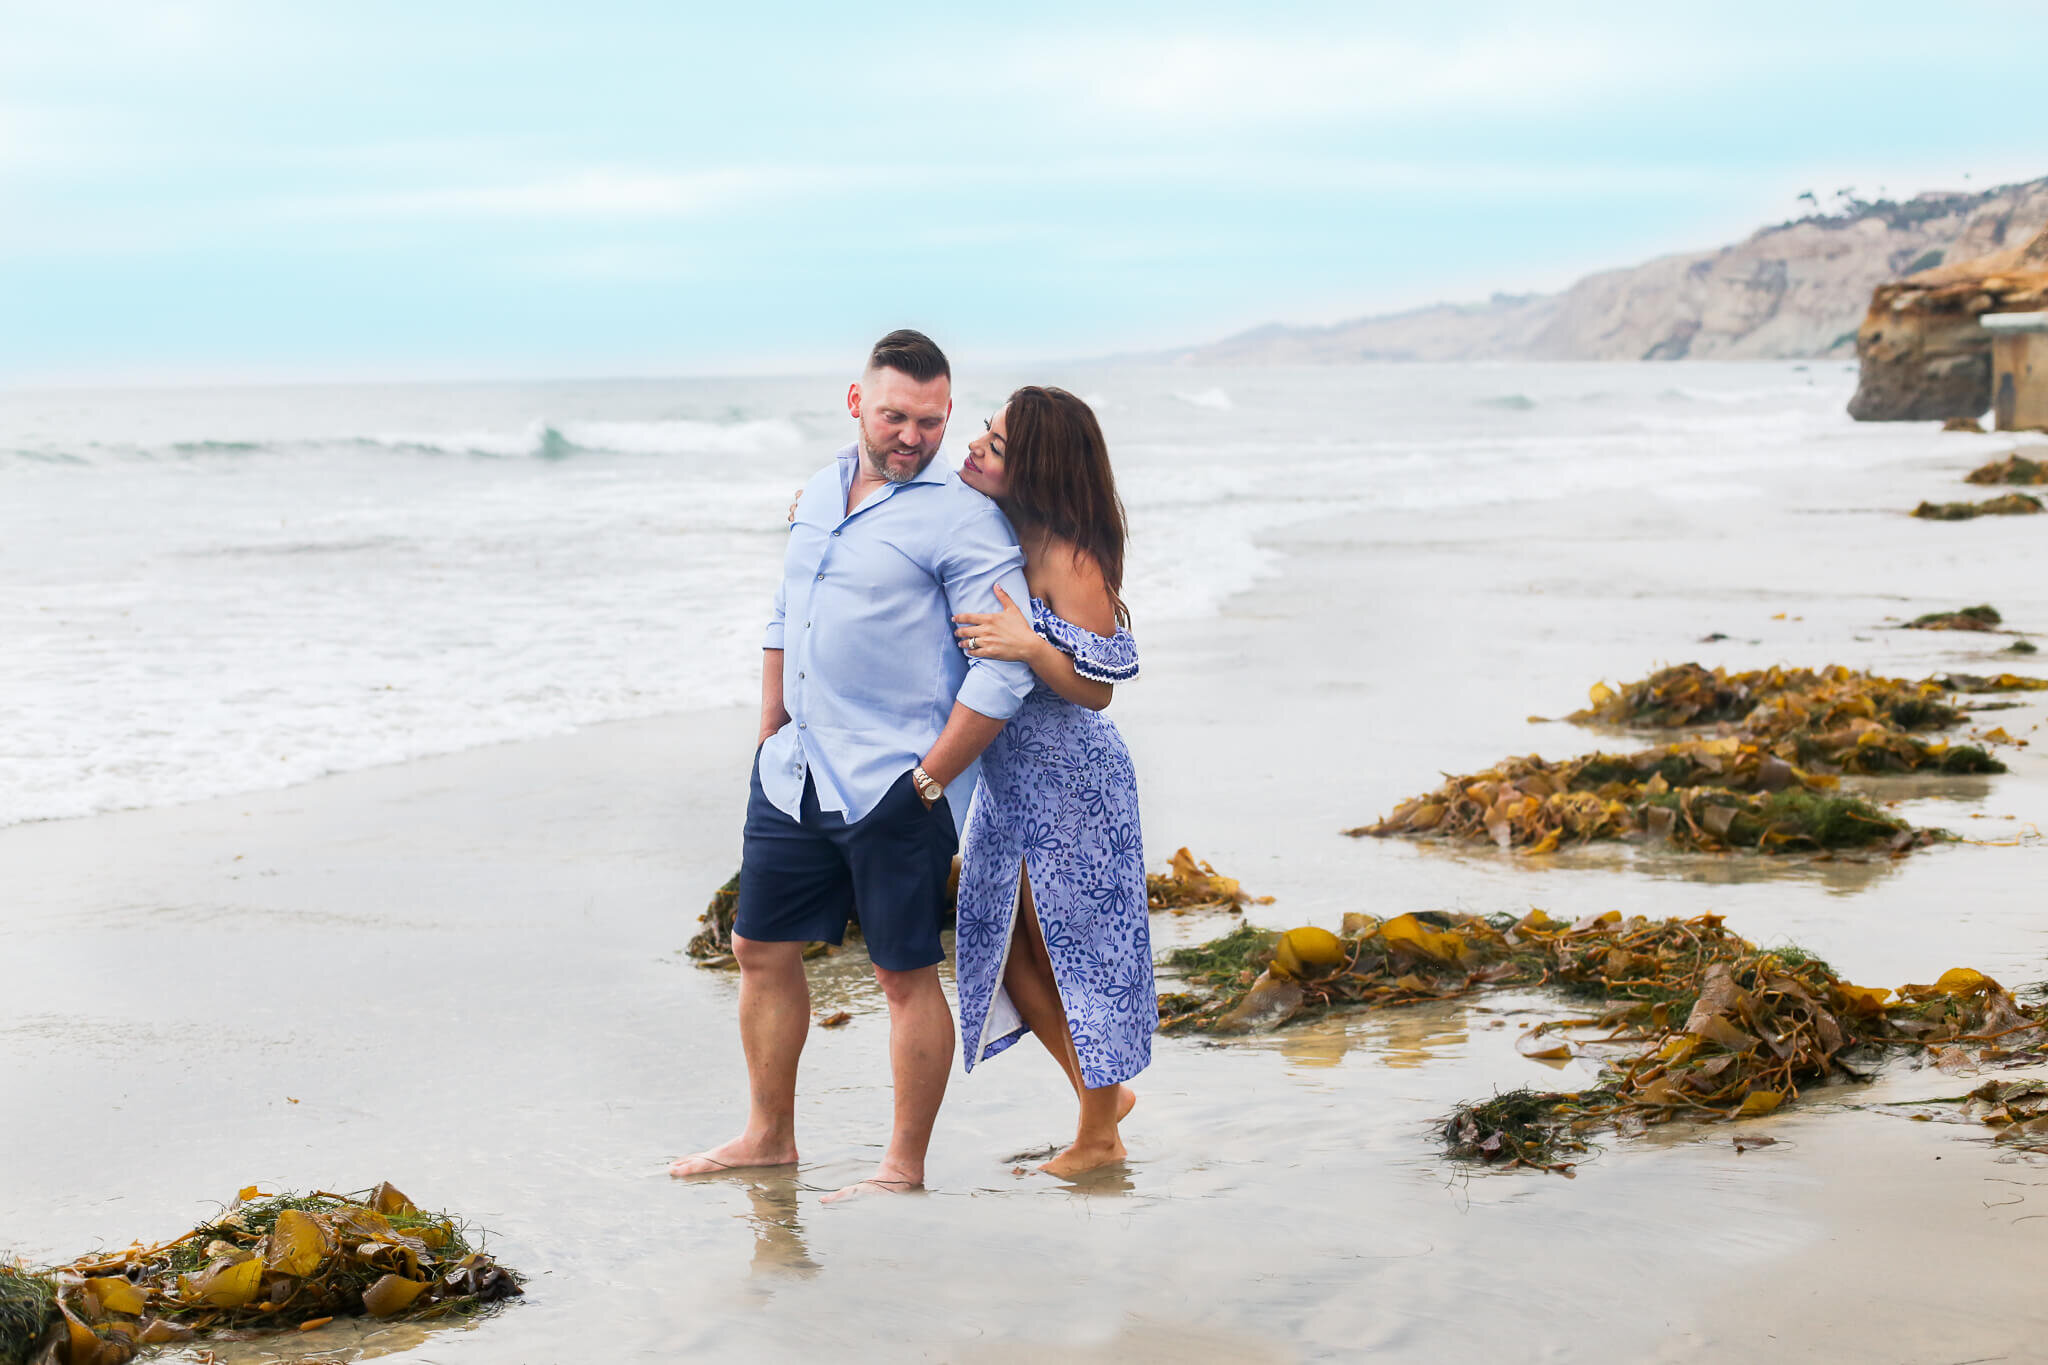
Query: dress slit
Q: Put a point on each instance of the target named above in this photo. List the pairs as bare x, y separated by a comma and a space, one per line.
1002, 1006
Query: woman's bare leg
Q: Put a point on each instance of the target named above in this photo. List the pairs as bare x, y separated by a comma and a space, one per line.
1029, 980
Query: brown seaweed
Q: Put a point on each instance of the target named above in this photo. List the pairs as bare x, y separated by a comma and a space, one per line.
270, 1262
1695, 1022
2013, 469
1731, 795
1757, 772
1981, 617
2008, 505
1188, 884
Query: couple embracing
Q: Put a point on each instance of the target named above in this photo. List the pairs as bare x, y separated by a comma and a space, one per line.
940, 652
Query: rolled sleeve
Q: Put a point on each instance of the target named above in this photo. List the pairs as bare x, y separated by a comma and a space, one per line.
772, 637
995, 689
979, 554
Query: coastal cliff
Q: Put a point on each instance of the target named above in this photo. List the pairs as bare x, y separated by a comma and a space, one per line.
1795, 290
1924, 354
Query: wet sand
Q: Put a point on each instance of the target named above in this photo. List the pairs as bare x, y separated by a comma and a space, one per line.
464, 975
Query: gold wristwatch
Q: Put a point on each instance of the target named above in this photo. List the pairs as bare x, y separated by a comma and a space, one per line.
927, 786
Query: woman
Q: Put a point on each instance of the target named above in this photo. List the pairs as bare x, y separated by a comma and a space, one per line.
1053, 935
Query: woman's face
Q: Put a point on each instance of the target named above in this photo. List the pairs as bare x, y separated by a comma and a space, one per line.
983, 471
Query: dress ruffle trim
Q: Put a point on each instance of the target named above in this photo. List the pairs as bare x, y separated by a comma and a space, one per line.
1103, 659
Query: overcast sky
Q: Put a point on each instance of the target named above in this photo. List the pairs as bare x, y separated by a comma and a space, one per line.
232, 189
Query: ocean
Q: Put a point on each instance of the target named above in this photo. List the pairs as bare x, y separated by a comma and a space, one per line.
211, 591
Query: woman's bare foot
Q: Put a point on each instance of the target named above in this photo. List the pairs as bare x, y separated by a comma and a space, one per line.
1085, 1156
741, 1154
1126, 1101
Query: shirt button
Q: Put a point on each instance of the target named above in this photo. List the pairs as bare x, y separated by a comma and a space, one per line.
820, 578
835, 533
800, 725
799, 677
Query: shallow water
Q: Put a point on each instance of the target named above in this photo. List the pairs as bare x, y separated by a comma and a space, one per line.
463, 974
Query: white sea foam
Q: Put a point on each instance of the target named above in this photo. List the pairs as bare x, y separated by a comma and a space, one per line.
555, 440
208, 593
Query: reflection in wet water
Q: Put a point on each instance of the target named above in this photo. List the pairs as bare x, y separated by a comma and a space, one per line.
1316, 1045
775, 1205
1933, 787
1409, 1038
343, 1340
1838, 875
1112, 1180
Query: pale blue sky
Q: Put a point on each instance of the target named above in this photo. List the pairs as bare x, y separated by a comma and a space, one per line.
229, 189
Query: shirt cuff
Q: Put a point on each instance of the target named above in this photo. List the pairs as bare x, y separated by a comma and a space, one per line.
773, 638
995, 693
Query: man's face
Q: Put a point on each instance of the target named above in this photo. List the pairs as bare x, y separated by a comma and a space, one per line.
901, 421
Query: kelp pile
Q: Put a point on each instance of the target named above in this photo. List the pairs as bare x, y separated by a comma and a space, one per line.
713, 943
2013, 469
2007, 505
271, 1262
1703, 1024
1712, 796
1188, 885
1689, 696
1981, 617
1764, 778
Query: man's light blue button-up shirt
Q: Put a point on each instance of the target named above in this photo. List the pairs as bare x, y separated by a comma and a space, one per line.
864, 620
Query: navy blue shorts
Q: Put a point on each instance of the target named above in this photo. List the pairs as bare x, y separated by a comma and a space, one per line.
801, 879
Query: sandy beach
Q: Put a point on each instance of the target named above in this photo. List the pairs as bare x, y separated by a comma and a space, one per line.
464, 974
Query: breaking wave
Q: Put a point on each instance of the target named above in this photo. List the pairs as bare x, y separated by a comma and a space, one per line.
560, 440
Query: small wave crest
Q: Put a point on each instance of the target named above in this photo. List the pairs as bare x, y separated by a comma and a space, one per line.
1509, 402
1215, 400
560, 440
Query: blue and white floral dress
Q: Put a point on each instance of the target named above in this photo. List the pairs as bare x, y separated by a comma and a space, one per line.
1059, 796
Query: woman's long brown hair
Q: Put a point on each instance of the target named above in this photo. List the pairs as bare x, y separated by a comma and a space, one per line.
1056, 465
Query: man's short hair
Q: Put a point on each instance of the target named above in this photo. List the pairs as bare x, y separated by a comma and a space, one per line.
910, 353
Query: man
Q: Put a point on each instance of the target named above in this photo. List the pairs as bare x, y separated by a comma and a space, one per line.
871, 723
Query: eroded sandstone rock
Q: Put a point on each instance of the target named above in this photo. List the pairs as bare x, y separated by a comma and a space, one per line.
1924, 355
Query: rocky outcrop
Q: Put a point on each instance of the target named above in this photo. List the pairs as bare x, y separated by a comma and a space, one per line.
1924, 355
1794, 290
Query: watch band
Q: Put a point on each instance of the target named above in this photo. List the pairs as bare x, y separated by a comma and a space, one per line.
927, 786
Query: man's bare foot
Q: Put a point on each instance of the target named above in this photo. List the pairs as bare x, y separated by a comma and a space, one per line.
883, 1181
1083, 1157
741, 1154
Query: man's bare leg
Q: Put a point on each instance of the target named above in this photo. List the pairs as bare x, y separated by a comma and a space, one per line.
920, 1058
775, 1018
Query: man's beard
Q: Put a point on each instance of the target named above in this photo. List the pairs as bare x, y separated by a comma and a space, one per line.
880, 467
